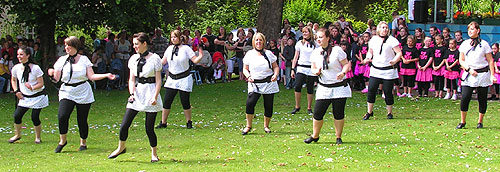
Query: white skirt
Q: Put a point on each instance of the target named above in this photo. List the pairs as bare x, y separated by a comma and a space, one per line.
38, 102
81, 94
304, 70
323, 92
184, 84
263, 88
481, 80
143, 94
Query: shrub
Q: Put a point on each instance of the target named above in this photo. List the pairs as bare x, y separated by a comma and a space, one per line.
382, 11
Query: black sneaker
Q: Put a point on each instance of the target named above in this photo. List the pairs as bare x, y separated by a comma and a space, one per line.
339, 141
311, 139
189, 124
295, 110
161, 125
460, 125
479, 125
390, 116
367, 116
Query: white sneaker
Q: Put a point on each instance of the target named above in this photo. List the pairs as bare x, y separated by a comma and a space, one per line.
409, 95
447, 96
454, 97
403, 95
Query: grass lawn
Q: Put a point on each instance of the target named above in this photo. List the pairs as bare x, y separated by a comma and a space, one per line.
422, 137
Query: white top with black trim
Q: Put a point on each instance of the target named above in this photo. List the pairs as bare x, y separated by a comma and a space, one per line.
259, 69
81, 94
305, 50
144, 92
179, 64
383, 59
476, 59
329, 76
30, 102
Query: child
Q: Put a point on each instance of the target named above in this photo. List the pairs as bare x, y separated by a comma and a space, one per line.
419, 37
438, 66
408, 67
345, 46
452, 70
424, 73
496, 60
364, 68
218, 69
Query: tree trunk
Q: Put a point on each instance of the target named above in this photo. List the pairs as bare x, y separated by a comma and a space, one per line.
47, 25
269, 18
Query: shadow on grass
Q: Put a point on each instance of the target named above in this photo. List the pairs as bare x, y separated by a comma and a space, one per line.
171, 161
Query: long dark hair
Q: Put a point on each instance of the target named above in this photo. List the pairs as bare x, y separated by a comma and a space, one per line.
27, 68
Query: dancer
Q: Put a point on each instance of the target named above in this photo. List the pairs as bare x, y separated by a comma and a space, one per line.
74, 70
261, 69
408, 67
424, 73
477, 62
331, 65
179, 77
438, 65
145, 68
30, 93
452, 70
384, 53
301, 69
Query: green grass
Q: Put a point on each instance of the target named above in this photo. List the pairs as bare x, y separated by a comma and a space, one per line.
422, 137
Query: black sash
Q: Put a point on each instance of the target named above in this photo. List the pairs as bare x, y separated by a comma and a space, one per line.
338, 84
36, 94
384, 68
180, 75
267, 79
306, 66
75, 84
482, 70
149, 80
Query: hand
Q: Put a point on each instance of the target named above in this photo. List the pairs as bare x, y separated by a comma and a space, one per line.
434, 68
340, 75
473, 72
249, 79
497, 71
111, 76
448, 68
393, 62
50, 72
493, 79
406, 61
19, 95
292, 74
366, 61
131, 98
153, 101
274, 78
424, 68
28, 86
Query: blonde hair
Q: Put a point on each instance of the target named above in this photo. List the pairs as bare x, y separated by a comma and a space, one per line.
177, 34
379, 27
259, 35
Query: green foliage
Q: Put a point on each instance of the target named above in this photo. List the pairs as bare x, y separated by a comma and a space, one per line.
9, 23
382, 11
482, 6
307, 11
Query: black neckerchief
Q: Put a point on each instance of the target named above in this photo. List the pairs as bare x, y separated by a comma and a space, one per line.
175, 51
385, 39
263, 53
141, 61
474, 43
326, 52
71, 60
26, 72
311, 43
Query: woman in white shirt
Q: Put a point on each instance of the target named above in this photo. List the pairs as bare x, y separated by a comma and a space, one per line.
477, 62
301, 69
145, 68
179, 77
74, 70
261, 69
30, 93
331, 65
384, 53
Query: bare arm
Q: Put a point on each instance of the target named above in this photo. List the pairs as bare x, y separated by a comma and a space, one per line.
315, 69
131, 85
94, 77
246, 72
194, 59
346, 67
492, 66
39, 83
276, 71
398, 55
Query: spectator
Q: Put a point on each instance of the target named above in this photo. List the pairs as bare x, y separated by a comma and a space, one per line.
37, 55
159, 42
205, 67
109, 48
240, 45
187, 33
96, 42
395, 17
197, 40
60, 47
342, 22
231, 47
220, 41
298, 33
287, 56
122, 49
211, 38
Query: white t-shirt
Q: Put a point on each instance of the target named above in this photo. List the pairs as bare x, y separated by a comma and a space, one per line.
179, 64
394, 24
123, 47
305, 51
145, 92
476, 59
329, 76
31, 102
258, 67
81, 94
60, 51
383, 59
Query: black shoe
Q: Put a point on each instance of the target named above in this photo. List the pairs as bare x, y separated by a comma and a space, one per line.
114, 156
295, 110
60, 147
479, 125
492, 97
189, 124
311, 139
82, 148
246, 132
460, 125
309, 111
339, 141
161, 125
12, 141
367, 116
390, 116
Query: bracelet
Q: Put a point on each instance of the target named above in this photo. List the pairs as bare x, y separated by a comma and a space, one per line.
468, 69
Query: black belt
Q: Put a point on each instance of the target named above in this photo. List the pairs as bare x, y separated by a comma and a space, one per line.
267, 79
384, 68
75, 84
180, 75
306, 66
36, 94
482, 70
338, 84
149, 80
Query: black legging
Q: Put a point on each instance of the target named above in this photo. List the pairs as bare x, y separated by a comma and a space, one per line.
170, 95
451, 84
338, 106
301, 78
497, 88
20, 111
82, 111
408, 80
482, 97
150, 121
387, 85
423, 88
268, 104
438, 82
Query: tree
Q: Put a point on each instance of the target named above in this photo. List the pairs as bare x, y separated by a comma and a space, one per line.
269, 18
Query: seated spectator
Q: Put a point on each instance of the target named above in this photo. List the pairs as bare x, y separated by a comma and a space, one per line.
99, 65
205, 67
4, 72
218, 69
